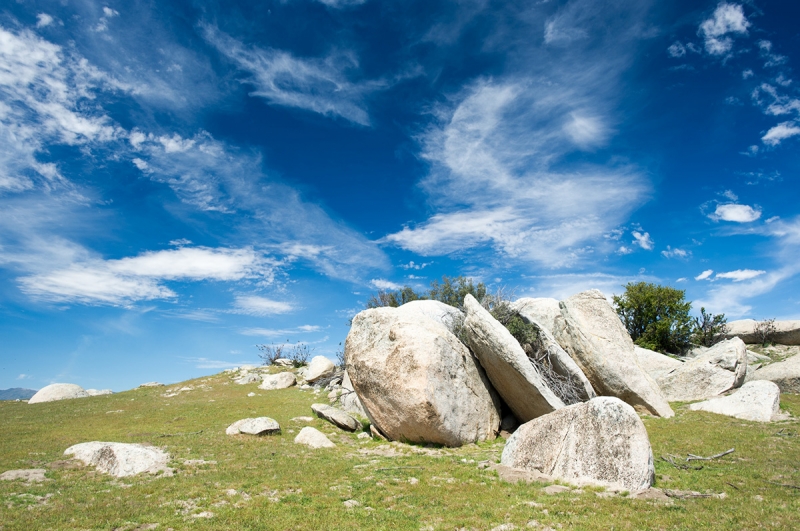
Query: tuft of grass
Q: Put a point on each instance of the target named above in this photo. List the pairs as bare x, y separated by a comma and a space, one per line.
271, 483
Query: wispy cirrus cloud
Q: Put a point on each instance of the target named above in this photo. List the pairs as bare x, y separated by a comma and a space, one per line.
260, 306
328, 86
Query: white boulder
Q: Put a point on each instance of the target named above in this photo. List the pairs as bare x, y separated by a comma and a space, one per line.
58, 391
121, 459
283, 362
786, 332
544, 311
319, 368
654, 363
786, 374
248, 378
512, 374
714, 371
335, 416
100, 392
348, 399
593, 335
438, 311
759, 401
254, 426
282, 380
602, 441
417, 381
313, 438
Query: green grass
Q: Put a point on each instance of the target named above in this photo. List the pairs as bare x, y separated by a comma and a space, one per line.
280, 485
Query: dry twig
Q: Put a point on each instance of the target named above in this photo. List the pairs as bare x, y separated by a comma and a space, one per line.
692, 457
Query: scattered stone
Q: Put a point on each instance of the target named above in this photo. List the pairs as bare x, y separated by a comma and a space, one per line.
58, 391
302, 419
758, 401
248, 378
204, 514
350, 504
313, 438
319, 368
254, 426
363, 435
593, 335
101, 392
651, 494
31, 475
417, 381
555, 489
504, 527
337, 417
251, 394
121, 459
512, 374
282, 380
152, 384
602, 441
785, 374
283, 362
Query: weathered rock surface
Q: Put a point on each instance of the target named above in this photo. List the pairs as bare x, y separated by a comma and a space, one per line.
593, 335
786, 374
248, 378
602, 441
282, 380
58, 391
254, 426
654, 363
313, 438
511, 372
348, 399
786, 332
335, 416
283, 362
438, 311
417, 381
544, 311
319, 368
99, 392
759, 401
30, 475
152, 384
121, 459
718, 369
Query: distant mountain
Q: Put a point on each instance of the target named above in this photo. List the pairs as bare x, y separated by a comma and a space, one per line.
16, 392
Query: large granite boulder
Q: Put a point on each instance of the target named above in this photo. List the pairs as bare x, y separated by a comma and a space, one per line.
602, 441
654, 363
335, 416
417, 381
594, 336
58, 391
759, 401
438, 311
512, 374
544, 311
254, 426
786, 332
282, 380
786, 374
319, 368
121, 459
718, 369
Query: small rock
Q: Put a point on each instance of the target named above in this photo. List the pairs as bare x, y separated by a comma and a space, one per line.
204, 514
31, 475
363, 435
555, 489
313, 438
303, 419
413, 481
152, 384
335, 416
319, 368
121, 459
282, 380
254, 426
251, 394
283, 362
504, 527
351, 504
248, 378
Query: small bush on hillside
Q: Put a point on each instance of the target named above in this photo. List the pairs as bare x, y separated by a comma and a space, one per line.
300, 354
765, 332
709, 329
270, 353
451, 291
656, 317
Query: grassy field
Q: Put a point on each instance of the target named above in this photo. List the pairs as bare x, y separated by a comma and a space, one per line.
271, 483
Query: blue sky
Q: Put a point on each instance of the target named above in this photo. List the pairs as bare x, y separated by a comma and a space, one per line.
180, 181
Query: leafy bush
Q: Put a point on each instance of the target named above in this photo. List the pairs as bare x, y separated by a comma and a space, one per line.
709, 329
656, 317
451, 291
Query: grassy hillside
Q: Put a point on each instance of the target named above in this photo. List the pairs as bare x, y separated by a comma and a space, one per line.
271, 483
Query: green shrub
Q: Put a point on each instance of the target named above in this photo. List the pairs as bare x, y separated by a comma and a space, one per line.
709, 329
656, 317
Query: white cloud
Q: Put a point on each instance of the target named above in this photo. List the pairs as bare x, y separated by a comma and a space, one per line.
669, 252
623, 249
562, 286
383, 284
43, 20
414, 265
260, 306
741, 274
128, 280
780, 132
735, 212
585, 131
643, 240
272, 332
747, 73
727, 19
676, 49
339, 4
705, 275
24, 376
318, 85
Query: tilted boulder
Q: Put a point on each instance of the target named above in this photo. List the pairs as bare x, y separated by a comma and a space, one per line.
593, 335
313, 438
785, 374
282, 380
121, 459
544, 311
602, 441
759, 401
786, 332
58, 391
319, 368
335, 416
438, 311
254, 426
512, 374
718, 369
654, 363
417, 381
